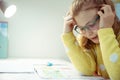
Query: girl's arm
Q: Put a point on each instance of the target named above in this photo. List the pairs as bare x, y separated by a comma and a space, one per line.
83, 61
110, 48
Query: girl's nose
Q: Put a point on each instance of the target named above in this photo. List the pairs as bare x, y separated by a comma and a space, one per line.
89, 32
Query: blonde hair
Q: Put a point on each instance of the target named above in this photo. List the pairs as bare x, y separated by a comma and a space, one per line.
78, 5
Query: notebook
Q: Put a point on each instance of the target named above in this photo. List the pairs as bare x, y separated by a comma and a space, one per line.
61, 72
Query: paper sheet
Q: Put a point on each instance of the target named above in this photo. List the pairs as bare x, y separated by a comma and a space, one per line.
61, 72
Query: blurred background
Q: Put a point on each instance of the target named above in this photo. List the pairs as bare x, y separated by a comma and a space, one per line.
35, 29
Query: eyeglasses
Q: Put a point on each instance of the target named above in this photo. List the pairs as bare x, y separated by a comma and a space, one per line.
90, 26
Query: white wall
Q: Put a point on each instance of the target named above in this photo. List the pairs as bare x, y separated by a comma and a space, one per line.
35, 30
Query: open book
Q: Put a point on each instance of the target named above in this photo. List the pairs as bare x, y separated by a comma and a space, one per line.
58, 72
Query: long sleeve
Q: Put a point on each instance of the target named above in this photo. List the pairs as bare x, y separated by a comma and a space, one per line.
83, 61
110, 52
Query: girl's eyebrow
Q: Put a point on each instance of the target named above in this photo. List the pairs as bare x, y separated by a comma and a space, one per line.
87, 23
94, 19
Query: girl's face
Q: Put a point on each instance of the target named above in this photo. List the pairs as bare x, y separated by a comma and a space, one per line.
88, 24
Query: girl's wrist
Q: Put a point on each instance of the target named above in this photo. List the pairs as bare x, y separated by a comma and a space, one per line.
66, 31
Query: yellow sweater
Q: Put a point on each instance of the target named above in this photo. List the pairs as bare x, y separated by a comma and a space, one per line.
105, 58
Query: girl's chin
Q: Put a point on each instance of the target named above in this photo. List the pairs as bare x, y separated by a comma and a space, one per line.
95, 40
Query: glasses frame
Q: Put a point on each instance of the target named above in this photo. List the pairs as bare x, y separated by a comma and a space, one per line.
86, 27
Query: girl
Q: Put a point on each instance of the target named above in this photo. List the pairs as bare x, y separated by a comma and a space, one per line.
98, 48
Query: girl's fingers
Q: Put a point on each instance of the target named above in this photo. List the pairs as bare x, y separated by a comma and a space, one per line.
106, 16
68, 18
70, 22
68, 13
100, 13
106, 9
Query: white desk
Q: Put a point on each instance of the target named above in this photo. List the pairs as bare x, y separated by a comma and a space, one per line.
25, 69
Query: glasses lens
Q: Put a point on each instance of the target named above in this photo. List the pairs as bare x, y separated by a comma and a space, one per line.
76, 28
90, 26
93, 25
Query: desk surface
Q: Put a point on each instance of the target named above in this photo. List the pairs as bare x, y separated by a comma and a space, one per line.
32, 76
24, 69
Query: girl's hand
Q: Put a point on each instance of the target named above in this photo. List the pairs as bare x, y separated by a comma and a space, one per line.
106, 16
68, 23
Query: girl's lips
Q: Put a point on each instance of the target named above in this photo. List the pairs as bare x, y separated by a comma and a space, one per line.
94, 38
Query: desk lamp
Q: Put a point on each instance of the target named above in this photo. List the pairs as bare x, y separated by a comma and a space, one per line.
7, 9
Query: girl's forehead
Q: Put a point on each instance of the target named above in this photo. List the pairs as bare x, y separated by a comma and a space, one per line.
88, 6
85, 16
87, 13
